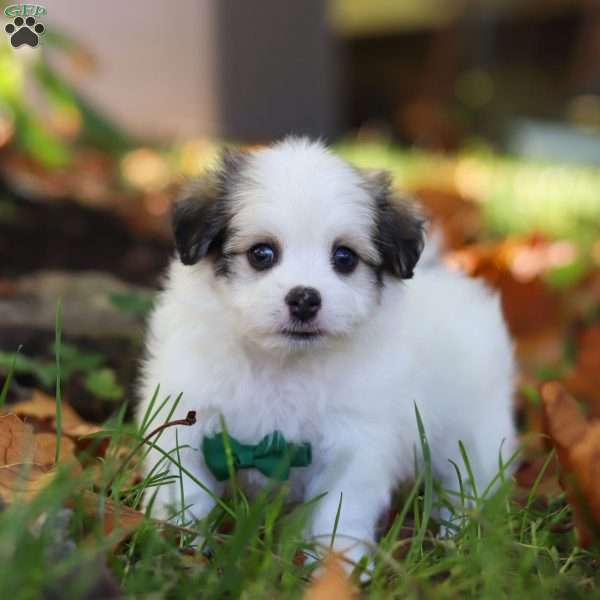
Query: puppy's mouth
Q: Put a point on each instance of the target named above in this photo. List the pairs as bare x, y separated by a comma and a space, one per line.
302, 334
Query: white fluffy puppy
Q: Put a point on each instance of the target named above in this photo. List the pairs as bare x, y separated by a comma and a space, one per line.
292, 308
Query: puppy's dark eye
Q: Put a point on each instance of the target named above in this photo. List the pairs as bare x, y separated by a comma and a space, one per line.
344, 260
262, 256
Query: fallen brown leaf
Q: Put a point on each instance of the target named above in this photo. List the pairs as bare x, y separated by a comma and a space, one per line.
27, 458
16, 441
584, 297
584, 380
577, 444
27, 465
529, 306
459, 218
332, 583
41, 409
119, 520
115, 517
19, 444
530, 469
23, 481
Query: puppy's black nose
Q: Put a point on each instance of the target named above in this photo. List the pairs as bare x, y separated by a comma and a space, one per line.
304, 302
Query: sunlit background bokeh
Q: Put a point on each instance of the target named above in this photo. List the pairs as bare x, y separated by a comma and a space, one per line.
494, 102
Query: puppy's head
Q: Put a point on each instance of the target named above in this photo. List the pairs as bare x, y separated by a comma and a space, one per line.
300, 243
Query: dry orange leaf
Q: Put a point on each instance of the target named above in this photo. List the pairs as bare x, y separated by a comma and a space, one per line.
40, 411
459, 217
27, 466
19, 444
16, 441
584, 381
118, 520
27, 458
529, 306
23, 481
529, 470
41, 408
332, 583
114, 516
577, 444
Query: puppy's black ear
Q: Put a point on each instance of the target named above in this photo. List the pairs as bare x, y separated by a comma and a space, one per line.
201, 214
399, 228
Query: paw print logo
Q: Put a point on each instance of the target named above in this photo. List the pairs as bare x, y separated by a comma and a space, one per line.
24, 32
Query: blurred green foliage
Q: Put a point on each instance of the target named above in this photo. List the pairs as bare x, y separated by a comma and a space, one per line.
103, 384
25, 67
97, 379
132, 303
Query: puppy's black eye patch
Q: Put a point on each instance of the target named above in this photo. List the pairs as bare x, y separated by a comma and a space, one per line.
262, 256
344, 260
398, 228
201, 216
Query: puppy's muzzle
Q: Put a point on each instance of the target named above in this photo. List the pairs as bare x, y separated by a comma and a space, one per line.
304, 303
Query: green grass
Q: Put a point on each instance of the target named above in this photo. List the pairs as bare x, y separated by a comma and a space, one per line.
508, 545
58, 394
90, 366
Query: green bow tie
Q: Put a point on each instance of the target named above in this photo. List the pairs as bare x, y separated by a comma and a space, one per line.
272, 456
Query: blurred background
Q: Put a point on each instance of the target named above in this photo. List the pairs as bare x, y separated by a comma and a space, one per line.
488, 111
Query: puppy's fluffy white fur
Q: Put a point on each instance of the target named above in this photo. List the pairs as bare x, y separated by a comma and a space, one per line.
386, 343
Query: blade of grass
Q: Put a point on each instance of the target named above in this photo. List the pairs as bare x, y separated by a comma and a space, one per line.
236, 491
500, 476
149, 409
189, 420
148, 422
417, 544
58, 421
385, 547
201, 485
8, 380
181, 487
461, 485
149, 419
336, 522
467, 462
533, 492
168, 418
